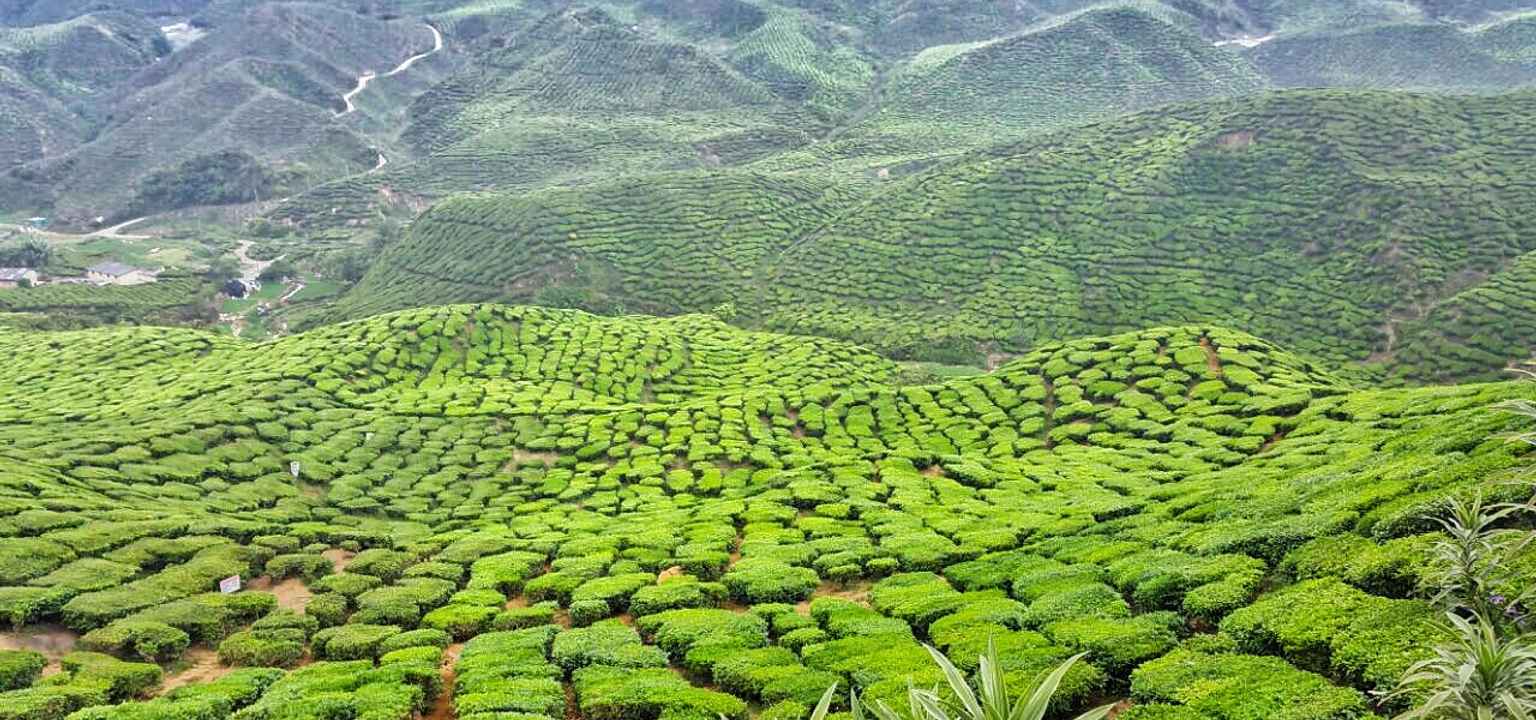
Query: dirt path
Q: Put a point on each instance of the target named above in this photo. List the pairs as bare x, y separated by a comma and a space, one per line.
291, 593
442, 706
116, 231
437, 46
370, 76
1246, 41
250, 268
340, 559
53, 641
297, 287
202, 666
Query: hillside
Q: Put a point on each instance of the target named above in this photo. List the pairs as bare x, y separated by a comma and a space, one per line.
474, 470
261, 86
1323, 219
528, 96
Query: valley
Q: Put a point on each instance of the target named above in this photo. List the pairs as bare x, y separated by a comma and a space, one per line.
767, 359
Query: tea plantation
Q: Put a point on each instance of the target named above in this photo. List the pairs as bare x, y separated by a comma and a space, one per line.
1384, 233
492, 512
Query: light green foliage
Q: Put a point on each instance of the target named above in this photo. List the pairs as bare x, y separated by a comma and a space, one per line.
765, 513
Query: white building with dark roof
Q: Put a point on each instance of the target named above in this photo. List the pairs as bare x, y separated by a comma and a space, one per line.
116, 273
15, 277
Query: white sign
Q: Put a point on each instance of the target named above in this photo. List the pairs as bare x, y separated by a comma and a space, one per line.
293, 469
230, 584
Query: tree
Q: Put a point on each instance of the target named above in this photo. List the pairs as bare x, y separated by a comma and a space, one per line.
31, 253
279, 270
222, 270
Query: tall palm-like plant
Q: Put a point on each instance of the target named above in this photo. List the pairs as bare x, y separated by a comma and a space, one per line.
1472, 556
989, 700
1478, 675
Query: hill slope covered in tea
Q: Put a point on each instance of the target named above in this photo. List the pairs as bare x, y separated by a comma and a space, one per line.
643, 516
1347, 225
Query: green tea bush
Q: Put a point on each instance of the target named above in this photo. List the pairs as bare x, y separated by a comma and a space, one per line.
307, 567
1228, 686
20, 668
608, 642
262, 648
610, 693
149, 641
678, 631
462, 621
524, 617
755, 581
352, 642
122, 680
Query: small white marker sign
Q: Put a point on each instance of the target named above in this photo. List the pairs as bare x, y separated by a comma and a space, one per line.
230, 584
293, 469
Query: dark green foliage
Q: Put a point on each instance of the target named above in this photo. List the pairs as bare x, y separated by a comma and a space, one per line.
145, 640
215, 179
262, 648
19, 668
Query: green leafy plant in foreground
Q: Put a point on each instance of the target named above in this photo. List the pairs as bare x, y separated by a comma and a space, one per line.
1478, 675
1487, 670
989, 700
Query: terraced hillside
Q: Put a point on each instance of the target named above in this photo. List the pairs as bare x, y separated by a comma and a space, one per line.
490, 509
269, 86
1332, 221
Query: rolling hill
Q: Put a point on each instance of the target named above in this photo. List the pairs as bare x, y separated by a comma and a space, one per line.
519, 477
1320, 218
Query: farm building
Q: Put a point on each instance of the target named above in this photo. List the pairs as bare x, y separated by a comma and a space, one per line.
16, 277
116, 273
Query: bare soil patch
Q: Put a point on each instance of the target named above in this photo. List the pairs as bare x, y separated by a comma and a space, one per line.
1237, 140
442, 706
292, 593
202, 665
53, 641
857, 592
340, 559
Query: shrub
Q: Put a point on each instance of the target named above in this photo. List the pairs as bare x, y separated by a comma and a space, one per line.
19, 668
347, 584
416, 638
1230, 687
759, 581
608, 642
676, 593
386, 565
605, 693
1117, 645
613, 591
586, 612
287, 620
845, 618
123, 680
459, 620
308, 567
1326, 625
262, 648
524, 617
50, 702
352, 642
328, 609
677, 631
149, 641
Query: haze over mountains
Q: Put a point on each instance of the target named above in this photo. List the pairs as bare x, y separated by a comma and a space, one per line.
679, 359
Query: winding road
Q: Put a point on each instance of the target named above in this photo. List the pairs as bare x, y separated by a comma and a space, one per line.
370, 76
